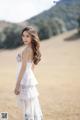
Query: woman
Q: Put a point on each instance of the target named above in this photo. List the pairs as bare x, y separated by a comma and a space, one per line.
25, 90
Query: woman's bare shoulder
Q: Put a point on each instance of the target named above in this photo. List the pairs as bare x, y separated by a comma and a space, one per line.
27, 51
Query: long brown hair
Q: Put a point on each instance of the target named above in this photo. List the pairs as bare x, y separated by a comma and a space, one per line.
35, 43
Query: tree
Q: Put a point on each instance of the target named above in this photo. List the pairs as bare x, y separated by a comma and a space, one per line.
12, 39
57, 26
43, 30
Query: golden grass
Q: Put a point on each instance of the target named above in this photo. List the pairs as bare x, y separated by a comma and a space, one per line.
58, 75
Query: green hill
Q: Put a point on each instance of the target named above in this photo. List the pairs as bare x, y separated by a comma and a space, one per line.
67, 10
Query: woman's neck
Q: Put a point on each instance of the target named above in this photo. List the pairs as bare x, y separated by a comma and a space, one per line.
28, 46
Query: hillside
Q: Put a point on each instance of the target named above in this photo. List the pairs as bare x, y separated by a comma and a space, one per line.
54, 21
67, 10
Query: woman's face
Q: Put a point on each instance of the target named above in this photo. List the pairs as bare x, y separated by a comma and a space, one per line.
26, 38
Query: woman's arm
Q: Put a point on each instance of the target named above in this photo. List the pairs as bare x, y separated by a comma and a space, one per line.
23, 68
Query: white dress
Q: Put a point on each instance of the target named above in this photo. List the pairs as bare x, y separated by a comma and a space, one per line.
28, 91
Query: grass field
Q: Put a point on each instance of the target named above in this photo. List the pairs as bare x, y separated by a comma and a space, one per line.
58, 75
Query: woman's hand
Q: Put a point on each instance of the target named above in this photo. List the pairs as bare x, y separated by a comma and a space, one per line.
17, 90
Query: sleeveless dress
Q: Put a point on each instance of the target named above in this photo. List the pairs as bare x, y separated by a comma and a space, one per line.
28, 91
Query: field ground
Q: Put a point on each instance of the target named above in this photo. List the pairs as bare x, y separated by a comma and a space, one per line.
58, 75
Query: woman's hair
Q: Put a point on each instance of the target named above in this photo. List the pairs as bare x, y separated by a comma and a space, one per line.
35, 43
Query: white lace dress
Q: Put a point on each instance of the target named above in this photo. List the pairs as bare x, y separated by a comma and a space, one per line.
28, 91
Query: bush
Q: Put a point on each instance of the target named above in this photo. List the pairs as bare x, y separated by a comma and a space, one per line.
57, 26
50, 27
43, 30
12, 39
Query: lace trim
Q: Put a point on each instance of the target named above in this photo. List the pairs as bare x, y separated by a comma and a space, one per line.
26, 86
35, 117
19, 57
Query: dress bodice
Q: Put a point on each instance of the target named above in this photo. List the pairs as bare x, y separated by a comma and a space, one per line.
19, 59
19, 63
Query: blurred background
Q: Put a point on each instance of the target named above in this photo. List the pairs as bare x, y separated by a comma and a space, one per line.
58, 25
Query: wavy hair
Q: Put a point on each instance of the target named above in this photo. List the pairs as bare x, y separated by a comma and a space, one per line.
35, 43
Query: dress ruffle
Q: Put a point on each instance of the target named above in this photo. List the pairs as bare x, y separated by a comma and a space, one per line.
27, 92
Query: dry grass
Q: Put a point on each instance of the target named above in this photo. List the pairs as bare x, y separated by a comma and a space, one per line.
58, 75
